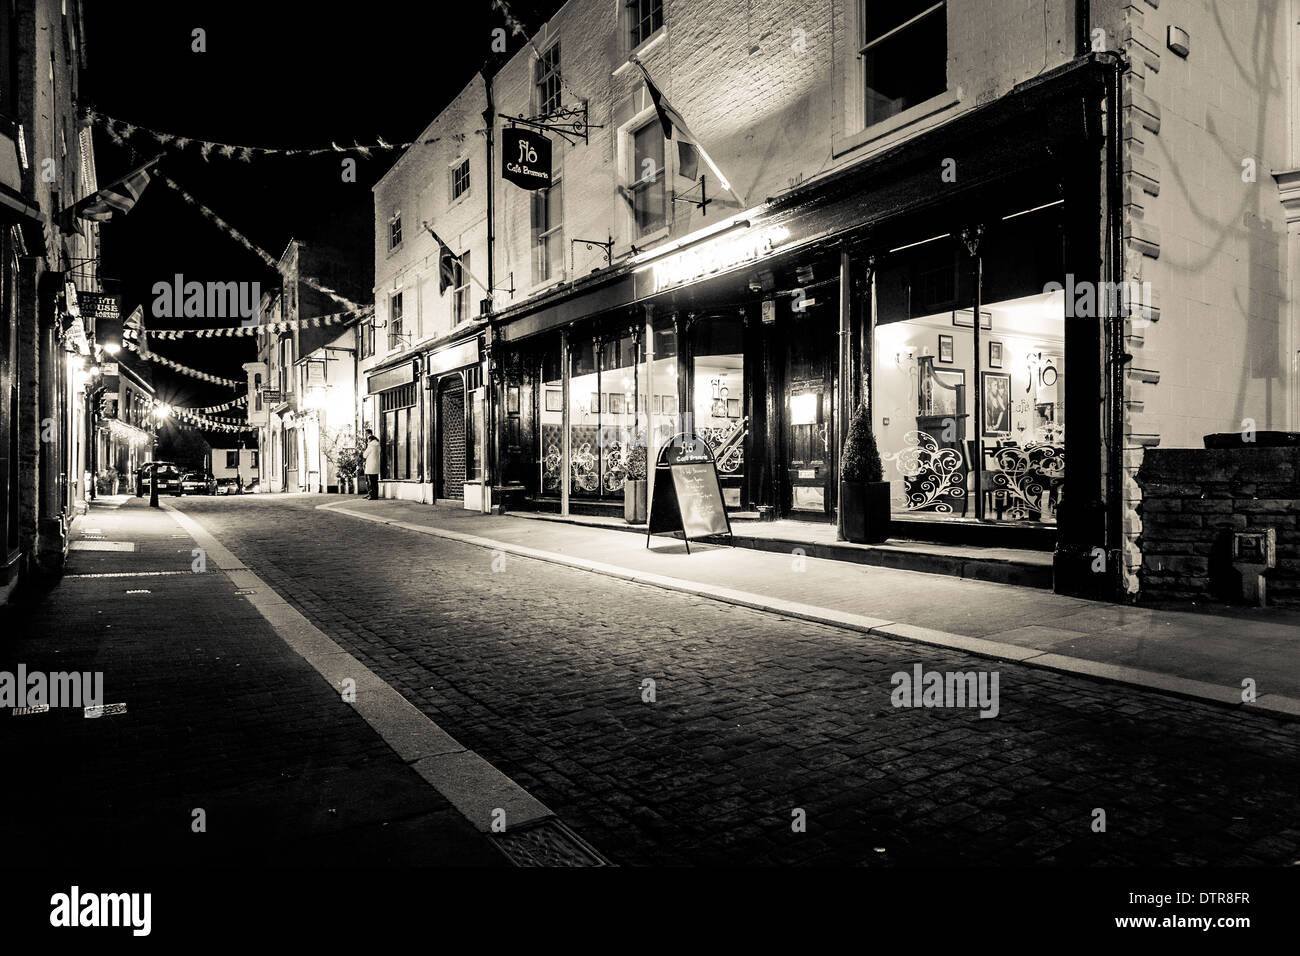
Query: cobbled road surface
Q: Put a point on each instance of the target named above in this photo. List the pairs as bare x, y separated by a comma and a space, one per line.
760, 721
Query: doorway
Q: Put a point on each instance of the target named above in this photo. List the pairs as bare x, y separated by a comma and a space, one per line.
810, 415
451, 438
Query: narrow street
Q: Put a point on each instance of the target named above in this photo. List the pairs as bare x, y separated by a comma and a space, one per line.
541, 670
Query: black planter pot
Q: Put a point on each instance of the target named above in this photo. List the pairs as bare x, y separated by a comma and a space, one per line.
865, 507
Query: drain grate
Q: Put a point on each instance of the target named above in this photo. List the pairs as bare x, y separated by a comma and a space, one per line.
104, 710
246, 591
139, 591
548, 843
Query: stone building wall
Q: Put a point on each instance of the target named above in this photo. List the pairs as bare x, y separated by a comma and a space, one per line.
1193, 499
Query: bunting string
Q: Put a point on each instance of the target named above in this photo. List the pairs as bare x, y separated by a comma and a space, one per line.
143, 349
238, 236
122, 130
285, 325
187, 416
519, 30
233, 403
251, 246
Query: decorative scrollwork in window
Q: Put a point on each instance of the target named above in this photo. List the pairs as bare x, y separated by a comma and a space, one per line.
932, 476
1025, 474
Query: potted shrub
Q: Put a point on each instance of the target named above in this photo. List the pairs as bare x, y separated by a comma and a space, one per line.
864, 497
634, 488
349, 460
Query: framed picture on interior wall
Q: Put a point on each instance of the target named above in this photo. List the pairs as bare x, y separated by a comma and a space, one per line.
945, 349
995, 355
554, 400
965, 319
670, 404
657, 404
733, 408
595, 403
615, 403
996, 388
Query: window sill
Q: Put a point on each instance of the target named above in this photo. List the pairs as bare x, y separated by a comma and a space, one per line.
841, 144
645, 47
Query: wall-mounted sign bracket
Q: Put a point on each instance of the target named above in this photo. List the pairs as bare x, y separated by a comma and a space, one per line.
607, 245
567, 121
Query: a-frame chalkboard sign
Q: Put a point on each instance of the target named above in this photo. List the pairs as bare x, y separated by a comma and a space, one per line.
687, 495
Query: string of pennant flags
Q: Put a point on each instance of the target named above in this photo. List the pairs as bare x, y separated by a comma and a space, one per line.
184, 416
137, 330
285, 325
120, 129
233, 403
234, 233
251, 246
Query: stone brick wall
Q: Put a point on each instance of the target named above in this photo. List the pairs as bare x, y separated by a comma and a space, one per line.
1193, 498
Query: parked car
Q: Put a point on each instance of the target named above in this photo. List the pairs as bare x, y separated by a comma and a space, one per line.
227, 486
169, 478
198, 483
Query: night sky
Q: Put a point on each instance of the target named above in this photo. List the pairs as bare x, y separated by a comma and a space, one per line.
275, 73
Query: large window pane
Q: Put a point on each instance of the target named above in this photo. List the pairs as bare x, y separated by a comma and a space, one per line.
584, 420
550, 415
618, 380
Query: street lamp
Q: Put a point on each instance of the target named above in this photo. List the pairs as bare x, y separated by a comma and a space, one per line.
160, 413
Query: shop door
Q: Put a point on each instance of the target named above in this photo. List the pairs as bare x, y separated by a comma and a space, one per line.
809, 416
451, 438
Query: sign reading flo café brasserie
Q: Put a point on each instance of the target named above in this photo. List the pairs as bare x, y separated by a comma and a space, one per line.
526, 158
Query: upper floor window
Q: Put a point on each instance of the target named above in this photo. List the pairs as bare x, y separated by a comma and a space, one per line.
286, 368
649, 195
548, 81
548, 231
460, 296
460, 179
904, 55
257, 392
232, 459
367, 339
395, 321
395, 231
646, 16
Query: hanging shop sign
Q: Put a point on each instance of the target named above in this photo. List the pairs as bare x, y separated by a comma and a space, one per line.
525, 158
687, 495
100, 305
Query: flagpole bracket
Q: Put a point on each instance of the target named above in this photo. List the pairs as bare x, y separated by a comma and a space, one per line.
702, 203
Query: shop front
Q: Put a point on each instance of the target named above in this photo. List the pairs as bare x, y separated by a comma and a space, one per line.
939, 306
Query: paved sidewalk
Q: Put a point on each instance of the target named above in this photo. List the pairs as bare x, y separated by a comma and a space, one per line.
221, 716
1202, 655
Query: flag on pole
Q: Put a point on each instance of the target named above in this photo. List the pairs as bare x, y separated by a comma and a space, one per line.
689, 149
117, 197
451, 266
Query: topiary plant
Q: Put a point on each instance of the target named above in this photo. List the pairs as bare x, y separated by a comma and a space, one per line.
861, 456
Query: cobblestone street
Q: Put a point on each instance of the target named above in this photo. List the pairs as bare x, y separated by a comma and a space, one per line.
541, 670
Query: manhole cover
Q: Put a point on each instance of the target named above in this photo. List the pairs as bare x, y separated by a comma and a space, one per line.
549, 843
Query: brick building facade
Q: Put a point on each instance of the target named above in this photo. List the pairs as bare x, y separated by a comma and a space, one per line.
981, 219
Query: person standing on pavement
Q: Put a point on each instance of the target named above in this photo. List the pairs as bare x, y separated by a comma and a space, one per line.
374, 455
